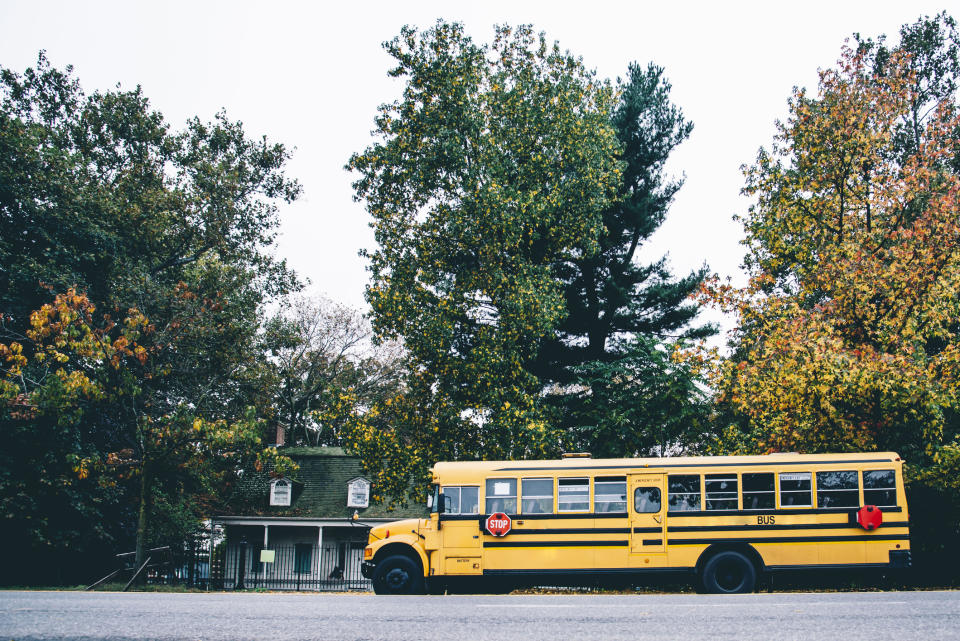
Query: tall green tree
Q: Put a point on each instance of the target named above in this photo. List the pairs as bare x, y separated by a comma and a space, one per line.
98, 195
495, 166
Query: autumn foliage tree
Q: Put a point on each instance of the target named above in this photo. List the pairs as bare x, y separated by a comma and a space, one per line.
118, 372
120, 234
849, 328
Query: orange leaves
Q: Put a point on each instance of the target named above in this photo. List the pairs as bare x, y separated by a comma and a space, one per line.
847, 333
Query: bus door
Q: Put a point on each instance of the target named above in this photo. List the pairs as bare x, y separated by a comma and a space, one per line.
647, 509
461, 547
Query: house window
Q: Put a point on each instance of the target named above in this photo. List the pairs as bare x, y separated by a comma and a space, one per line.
358, 493
280, 491
302, 558
256, 564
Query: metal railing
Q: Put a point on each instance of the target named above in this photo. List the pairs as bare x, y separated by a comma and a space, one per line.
303, 566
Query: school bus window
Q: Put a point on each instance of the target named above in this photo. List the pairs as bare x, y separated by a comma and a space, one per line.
461, 500
610, 494
451, 499
880, 488
795, 489
683, 494
470, 500
501, 495
758, 491
536, 496
721, 491
573, 495
838, 489
646, 500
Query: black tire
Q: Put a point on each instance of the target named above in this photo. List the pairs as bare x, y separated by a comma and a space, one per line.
398, 575
728, 573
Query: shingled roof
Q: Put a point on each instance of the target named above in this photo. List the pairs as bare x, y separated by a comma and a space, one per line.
321, 490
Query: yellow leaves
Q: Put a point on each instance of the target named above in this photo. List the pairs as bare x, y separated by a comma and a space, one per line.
12, 355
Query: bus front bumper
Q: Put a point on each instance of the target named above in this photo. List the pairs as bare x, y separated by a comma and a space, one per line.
366, 569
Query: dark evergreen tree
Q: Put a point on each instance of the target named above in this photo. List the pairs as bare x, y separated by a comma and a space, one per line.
611, 297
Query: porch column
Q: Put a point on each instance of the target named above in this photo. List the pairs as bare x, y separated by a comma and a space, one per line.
320, 553
266, 536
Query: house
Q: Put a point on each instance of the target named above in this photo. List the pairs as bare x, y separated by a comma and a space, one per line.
301, 533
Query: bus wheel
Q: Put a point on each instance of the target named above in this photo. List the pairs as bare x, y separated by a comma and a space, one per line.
397, 575
729, 573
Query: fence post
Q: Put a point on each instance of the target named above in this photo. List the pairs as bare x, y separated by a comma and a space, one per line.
241, 564
192, 564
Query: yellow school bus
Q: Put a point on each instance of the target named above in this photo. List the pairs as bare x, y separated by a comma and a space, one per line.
725, 520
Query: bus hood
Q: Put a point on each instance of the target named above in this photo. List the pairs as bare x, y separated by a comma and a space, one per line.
393, 528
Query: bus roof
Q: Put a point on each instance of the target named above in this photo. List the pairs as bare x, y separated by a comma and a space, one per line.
584, 464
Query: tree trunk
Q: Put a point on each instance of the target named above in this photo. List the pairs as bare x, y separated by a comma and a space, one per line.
146, 487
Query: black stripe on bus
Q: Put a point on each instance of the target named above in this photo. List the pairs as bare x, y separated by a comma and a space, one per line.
640, 470
792, 539
574, 530
785, 511
553, 544
653, 541
590, 571
698, 528
540, 517
572, 572
685, 514
795, 526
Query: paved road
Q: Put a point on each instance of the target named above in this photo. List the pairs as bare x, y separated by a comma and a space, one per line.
873, 616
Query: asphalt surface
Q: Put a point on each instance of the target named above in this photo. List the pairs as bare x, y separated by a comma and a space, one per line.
876, 616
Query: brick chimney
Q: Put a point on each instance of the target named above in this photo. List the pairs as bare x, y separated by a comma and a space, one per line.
280, 434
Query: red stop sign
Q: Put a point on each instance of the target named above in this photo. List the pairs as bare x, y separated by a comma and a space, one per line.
498, 524
869, 517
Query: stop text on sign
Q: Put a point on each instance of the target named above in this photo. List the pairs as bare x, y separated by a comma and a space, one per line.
498, 524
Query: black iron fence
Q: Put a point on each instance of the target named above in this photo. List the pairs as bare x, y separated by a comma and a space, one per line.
211, 562
333, 566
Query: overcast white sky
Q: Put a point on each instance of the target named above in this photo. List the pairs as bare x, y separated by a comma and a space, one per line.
311, 76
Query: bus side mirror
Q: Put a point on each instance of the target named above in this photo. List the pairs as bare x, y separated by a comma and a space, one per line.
441, 504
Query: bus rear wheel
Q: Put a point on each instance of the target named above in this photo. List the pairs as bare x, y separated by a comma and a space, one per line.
398, 575
728, 573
